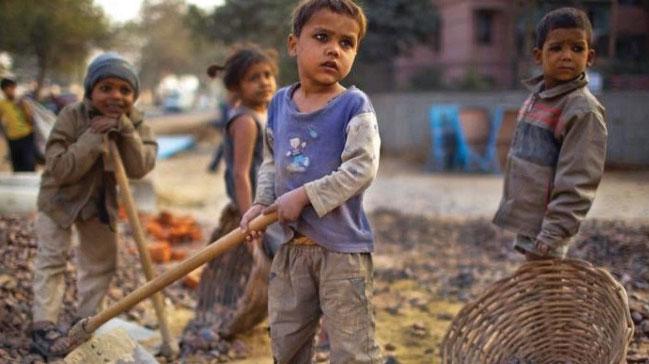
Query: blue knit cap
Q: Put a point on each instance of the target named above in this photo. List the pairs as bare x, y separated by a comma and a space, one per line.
110, 64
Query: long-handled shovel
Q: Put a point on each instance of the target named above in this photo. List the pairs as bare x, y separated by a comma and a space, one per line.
169, 346
83, 329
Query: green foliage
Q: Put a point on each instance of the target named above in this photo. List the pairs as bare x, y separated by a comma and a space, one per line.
167, 43
396, 26
58, 33
265, 22
473, 81
428, 78
167, 46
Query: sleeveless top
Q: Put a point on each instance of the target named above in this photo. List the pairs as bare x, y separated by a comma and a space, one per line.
228, 142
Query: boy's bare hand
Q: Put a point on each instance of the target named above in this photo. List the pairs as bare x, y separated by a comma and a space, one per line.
542, 248
289, 206
254, 237
102, 124
248, 216
254, 244
543, 251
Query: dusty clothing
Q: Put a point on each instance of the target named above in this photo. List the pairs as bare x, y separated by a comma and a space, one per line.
308, 281
273, 232
14, 116
554, 165
334, 153
228, 145
78, 187
96, 264
76, 174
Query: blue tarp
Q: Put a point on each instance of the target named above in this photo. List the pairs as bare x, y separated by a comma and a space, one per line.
168, 146
450, 150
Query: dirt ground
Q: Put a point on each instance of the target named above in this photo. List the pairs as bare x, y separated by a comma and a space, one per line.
426, 269
183, 185
435, 251
412, 312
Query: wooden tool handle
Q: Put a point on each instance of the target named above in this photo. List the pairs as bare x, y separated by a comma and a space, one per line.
169, 346
178, 271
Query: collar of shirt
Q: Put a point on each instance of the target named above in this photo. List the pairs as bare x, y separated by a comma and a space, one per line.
536, 85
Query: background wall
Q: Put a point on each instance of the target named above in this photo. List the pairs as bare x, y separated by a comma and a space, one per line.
404, 121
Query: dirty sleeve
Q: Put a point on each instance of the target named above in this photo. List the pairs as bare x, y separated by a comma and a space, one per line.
360, 162
265, 192
69, 158
579, 171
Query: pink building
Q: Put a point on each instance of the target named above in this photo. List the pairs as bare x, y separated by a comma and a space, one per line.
488, 41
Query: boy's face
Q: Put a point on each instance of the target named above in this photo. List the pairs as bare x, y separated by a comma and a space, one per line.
10, 92
113, 97
564, 56
326, 48
257, 86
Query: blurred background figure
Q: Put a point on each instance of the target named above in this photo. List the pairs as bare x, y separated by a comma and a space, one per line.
17, 125
56, 100
225, 107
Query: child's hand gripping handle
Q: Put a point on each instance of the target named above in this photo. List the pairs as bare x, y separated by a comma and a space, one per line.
84, 328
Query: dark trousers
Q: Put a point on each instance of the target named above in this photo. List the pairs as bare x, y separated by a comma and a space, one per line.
23, 154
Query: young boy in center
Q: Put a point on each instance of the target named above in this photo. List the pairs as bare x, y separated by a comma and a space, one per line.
558, 152
322, 152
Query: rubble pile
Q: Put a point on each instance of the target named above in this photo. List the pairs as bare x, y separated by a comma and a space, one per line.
18, 250
446, 259
167, 232
457, 259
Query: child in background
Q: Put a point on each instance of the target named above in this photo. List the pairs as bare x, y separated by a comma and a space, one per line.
78, 188
557, 157
249, 75
322, 153
224, 110
17, 124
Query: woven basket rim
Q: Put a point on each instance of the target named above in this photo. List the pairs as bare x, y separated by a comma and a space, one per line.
483, 306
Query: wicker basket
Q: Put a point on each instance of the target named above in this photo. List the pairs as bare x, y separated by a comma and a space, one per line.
550, 311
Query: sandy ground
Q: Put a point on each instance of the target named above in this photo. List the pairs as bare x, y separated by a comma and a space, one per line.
184, 185
406, 187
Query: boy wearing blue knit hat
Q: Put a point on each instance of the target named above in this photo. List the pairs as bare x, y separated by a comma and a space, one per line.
78, 188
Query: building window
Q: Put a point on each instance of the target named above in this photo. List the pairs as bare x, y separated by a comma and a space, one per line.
437, 35
632, 48
484, 21
600, 18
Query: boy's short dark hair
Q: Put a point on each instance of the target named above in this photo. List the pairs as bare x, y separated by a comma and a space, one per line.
7, 82
563, 18
306, 8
